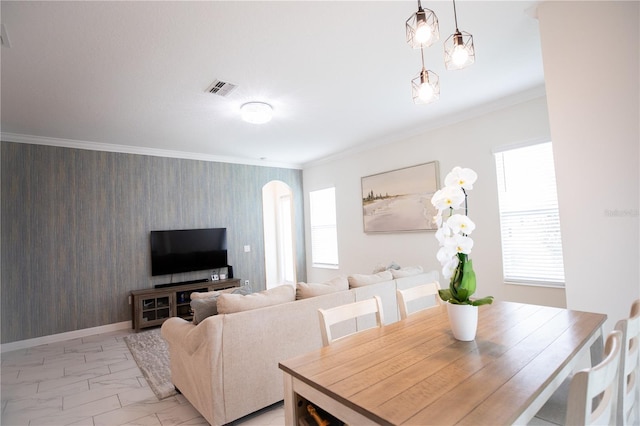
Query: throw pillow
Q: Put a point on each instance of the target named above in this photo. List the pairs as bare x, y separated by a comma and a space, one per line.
205, 304
230, 303
380, 267
205, 294
360, 280
306, 290
406, 271
203, 308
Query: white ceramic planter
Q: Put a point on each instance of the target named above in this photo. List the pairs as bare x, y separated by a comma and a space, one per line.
463, 320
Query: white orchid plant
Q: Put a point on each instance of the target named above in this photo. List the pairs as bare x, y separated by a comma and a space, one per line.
453, 235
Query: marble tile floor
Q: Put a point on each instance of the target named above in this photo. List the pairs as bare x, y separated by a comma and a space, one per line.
93, 381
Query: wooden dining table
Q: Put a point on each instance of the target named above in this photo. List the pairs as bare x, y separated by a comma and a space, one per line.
414, 372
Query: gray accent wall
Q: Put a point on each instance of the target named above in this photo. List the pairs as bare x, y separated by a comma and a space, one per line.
75, 229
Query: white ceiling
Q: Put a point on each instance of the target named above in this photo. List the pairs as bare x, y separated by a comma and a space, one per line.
135, 74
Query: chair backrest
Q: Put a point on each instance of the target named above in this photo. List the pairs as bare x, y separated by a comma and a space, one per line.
418, 292
592, 392
628, 386
331, 316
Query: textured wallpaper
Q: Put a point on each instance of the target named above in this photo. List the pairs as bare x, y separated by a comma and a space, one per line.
75, 229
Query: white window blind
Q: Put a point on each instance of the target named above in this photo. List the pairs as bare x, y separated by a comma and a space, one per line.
324, 235
529, 219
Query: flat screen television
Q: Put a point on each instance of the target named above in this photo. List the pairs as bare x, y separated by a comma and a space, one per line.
188, 250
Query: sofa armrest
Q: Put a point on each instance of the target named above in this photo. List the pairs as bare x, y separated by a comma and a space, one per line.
177, 331
195, 355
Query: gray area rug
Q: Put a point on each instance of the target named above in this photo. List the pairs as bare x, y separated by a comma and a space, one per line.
151, 353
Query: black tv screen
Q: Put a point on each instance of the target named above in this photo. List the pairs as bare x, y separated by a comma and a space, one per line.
188, 250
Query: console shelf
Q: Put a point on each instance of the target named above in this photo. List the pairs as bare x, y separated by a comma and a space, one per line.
154, 306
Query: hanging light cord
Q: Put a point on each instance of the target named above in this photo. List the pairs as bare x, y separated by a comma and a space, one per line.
455, 15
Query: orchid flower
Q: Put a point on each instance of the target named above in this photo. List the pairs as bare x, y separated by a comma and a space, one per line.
443, 233
459, 223
453, 236
448, 198
461, 178
459, 244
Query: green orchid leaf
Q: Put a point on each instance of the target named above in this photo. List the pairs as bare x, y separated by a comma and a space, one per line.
445, 294
453, 292
463, 295
484, 301
468, 278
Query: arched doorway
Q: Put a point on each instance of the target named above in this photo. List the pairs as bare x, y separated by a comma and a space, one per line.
279, 231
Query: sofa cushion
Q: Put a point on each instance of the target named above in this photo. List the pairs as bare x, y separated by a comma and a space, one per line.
230, 303
406, 271
359, 280
306, 290
205, 304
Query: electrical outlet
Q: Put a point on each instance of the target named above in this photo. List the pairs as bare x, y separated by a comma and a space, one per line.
246, 282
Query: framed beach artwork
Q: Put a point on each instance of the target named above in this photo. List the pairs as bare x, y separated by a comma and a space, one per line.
400, 200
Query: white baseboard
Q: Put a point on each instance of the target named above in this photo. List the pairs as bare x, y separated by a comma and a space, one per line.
54, 338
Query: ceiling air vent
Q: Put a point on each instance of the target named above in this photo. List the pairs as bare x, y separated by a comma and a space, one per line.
221, 88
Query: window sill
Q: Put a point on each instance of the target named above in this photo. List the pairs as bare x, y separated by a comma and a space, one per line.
325, 266
559, 286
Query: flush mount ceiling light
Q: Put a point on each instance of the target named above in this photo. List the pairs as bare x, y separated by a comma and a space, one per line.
256, 112
422, 28
458, 48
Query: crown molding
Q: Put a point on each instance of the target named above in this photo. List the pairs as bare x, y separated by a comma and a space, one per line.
127, 149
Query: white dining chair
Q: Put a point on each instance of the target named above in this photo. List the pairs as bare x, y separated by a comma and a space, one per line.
592, 392
628, 387
424, 291
573, 402
331, 316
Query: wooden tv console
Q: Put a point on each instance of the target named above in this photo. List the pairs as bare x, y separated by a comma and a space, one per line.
154, 306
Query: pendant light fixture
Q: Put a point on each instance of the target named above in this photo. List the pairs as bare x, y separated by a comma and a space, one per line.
459, 52
458, 48
425, 88
422, 28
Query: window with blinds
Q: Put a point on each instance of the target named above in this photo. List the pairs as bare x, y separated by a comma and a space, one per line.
529, 219
324, 234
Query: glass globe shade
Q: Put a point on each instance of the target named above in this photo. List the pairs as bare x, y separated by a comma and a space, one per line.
423, 33
425, 92
460, 55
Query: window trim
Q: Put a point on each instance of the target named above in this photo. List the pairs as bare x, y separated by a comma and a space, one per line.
518, 281
334, 226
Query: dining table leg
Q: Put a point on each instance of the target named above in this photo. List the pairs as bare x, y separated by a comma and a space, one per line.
289, 401
597, 349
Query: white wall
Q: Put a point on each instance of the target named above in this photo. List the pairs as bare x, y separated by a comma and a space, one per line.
466, 144
590, 53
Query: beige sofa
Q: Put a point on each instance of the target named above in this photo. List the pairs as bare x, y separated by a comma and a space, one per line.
227, 365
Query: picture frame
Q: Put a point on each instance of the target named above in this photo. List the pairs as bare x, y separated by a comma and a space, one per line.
400, 200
